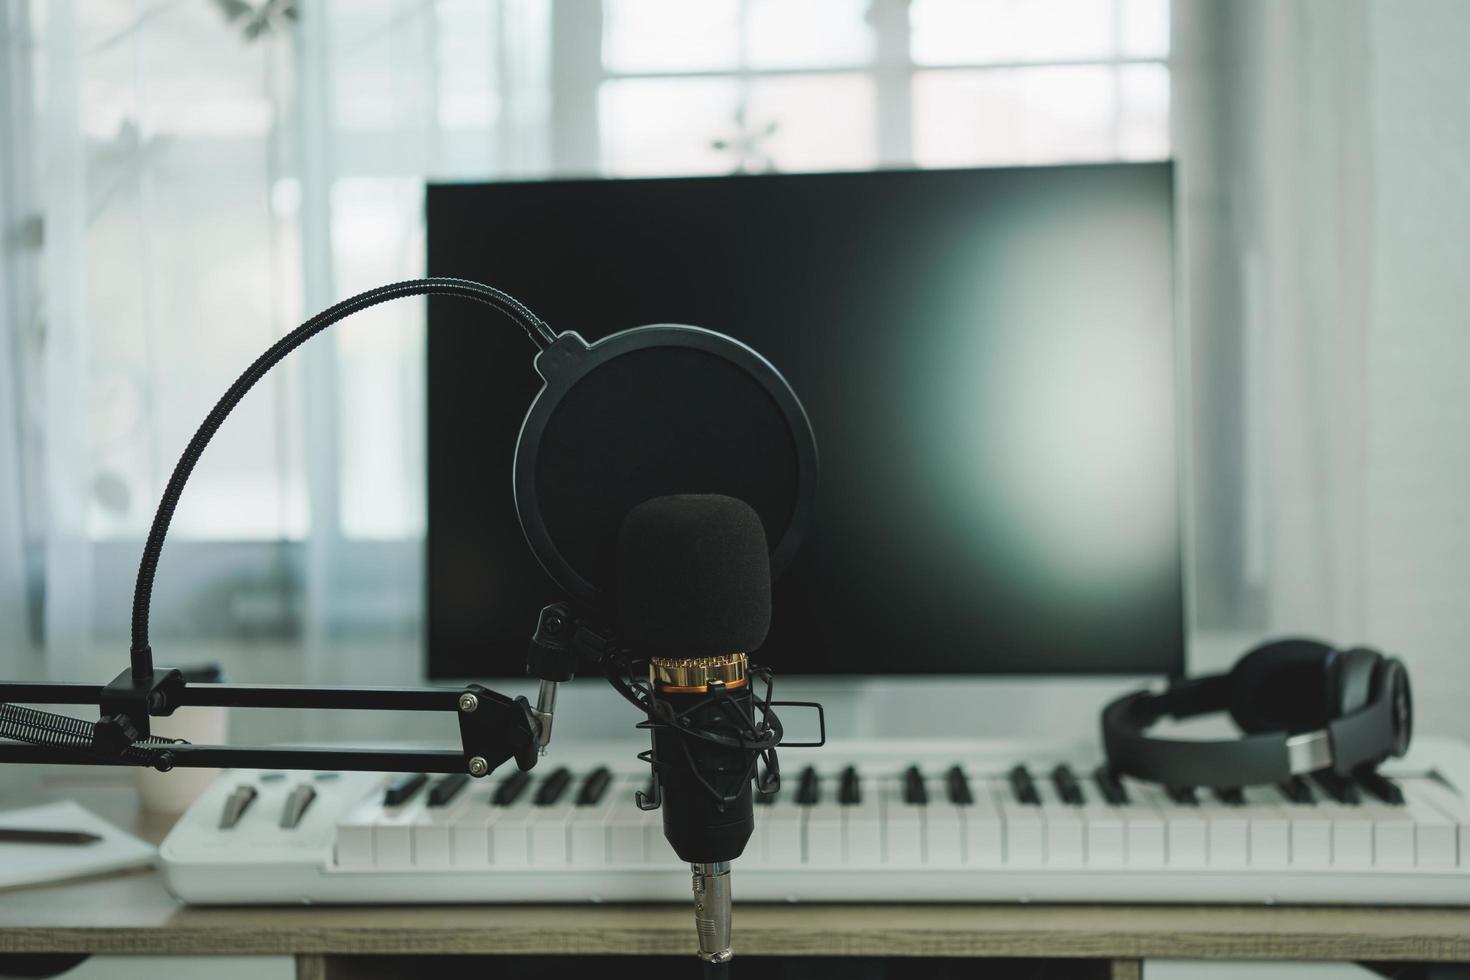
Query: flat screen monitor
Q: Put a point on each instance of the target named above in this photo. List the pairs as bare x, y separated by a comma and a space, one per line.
987, 358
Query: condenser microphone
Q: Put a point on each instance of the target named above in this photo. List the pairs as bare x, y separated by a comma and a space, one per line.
644, 413
694, 597
664, 475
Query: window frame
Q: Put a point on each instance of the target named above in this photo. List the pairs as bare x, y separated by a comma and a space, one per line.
578, 73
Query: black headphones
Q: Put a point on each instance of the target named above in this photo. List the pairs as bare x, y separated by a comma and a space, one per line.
1301, 706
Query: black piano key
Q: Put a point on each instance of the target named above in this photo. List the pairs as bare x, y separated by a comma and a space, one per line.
510, 788
914, 791
445, 789
1066, 783
1110, 786
849, 790
808, 788
1297, 790
958, 785
1339, 787
553, 787
402, 789
594, 787
1230, 795
1023, 787
1182, 795
1381, 788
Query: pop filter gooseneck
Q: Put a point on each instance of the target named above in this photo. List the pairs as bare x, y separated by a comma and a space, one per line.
541, 335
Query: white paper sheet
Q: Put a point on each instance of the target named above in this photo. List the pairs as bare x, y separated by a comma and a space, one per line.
26, 864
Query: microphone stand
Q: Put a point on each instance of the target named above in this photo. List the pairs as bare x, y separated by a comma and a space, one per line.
493, 728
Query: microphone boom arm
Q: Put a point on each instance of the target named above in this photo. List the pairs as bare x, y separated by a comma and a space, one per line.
493, 728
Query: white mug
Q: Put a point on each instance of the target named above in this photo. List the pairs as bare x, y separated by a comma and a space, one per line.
173, 791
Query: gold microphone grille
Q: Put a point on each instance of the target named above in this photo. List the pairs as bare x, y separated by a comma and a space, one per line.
694, 675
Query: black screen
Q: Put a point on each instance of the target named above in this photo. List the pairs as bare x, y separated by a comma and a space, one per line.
987, 358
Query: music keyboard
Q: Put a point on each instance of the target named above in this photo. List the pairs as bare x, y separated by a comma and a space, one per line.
905, 822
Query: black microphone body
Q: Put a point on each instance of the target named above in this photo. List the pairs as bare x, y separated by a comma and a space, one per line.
701, 829
694, 596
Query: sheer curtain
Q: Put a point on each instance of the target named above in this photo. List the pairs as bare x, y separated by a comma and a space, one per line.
1273, 140
1323, 202
14, 592
183, 181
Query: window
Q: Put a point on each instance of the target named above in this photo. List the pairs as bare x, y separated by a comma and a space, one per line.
752, 85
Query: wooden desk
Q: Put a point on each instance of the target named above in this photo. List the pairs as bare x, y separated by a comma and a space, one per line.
133, 914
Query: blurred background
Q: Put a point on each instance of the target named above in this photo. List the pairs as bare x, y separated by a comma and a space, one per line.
183, 181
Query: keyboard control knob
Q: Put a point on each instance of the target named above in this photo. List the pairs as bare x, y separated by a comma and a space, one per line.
235, 806
296, 805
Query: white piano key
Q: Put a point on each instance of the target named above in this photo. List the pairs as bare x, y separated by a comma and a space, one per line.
1064, 828
1105, 828
1229, 832
510, 833
1311, 835
626, 839
354, 844
431, 845
903, 826
862, 828
1352, 834
588, 828
1025, 833
433, 831
1144, 828
1456, 810
944, 826
1270, 827
469, 834
778, 827
1188, 833
1393, 835
984, 829
548, 842
393, 835
1436, 843
822, 831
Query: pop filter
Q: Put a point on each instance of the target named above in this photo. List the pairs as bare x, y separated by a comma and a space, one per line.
649, 412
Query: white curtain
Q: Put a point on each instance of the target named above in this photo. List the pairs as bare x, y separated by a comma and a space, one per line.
20, 234
1323, 202
182, 183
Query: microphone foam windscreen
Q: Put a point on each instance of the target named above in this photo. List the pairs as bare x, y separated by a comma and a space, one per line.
693, 577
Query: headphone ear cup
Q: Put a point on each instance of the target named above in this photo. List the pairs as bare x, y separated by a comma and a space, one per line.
1351, 680
1391, 681
1281, 686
